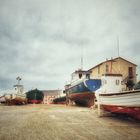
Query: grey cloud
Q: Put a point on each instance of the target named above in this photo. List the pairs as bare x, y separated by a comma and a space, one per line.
41, 40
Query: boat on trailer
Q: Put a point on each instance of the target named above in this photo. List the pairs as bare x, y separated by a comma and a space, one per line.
113, 98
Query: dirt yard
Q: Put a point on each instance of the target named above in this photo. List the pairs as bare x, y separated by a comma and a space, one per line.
59, 122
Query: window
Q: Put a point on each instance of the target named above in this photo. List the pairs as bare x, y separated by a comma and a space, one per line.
107, 68
117, 82
80, 75
98, 69
130, 72
104, 82
88, 76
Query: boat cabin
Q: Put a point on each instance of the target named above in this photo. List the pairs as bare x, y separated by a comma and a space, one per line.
111, 83
80, 74
18, 88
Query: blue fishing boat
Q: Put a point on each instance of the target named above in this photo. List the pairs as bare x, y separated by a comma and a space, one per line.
81, 88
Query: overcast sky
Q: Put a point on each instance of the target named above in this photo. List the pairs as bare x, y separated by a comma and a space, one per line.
41, 40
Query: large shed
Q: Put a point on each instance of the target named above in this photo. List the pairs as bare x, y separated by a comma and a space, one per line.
49, 95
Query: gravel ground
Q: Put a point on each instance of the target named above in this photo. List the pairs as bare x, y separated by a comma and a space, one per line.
60, 122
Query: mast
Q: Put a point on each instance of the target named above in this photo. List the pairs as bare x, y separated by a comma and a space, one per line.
81, 63
82, 58
118, 54
118, 46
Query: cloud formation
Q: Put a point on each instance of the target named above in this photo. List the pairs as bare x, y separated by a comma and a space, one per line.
41, 40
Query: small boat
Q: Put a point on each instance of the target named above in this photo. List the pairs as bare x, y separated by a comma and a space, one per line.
81, 88
16, 96
60, 100
113, 98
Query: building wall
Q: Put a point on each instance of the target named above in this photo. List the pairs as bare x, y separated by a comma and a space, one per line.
119, 66
49, 95
48, 99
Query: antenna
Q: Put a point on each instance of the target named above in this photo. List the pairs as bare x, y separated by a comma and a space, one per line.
118, 53
82, 58
118, 46
81, 62
18, 79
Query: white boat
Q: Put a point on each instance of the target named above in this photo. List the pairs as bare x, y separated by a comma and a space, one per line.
17, 95
112, 97
2, 99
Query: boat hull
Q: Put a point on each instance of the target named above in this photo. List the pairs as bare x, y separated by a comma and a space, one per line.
124, 102
15, 99
60, 100
83, 98
34, 101
131, 111
8, 97
83, 93
19, 99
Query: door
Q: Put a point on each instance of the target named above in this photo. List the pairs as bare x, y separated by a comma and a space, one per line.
130, 72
